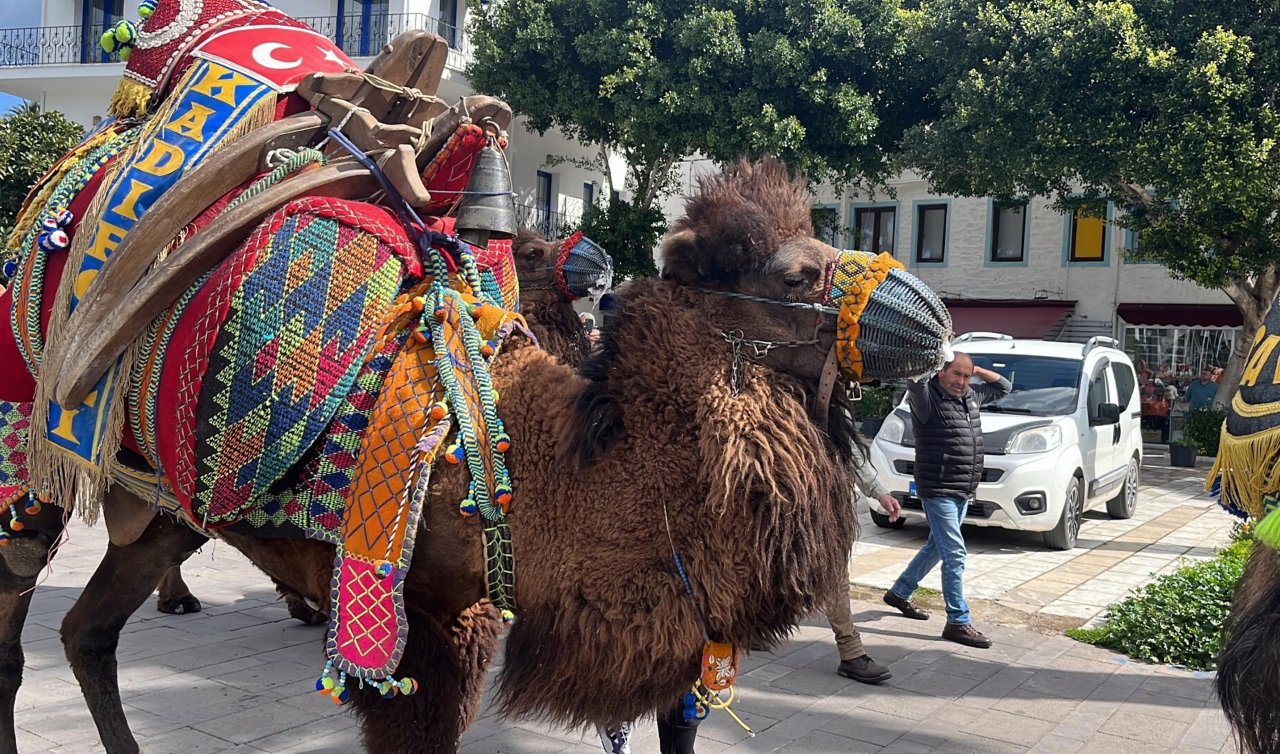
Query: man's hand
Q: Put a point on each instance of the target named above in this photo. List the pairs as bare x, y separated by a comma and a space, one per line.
891, 506
986, 375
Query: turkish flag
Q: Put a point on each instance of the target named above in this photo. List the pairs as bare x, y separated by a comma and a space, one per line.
278, 55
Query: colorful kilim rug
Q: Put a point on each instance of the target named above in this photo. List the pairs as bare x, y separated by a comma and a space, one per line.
15, 422
295, 335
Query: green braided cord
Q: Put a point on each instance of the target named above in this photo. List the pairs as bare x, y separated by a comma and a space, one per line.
1268, 529
71, 184
500, 567
298, 161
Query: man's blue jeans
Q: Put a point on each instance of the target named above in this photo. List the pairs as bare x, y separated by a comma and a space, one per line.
946, 544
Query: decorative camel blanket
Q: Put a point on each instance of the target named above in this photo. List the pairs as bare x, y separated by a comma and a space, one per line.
311, 378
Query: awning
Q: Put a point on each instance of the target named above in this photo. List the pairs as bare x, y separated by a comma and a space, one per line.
1019, 318
1180, 315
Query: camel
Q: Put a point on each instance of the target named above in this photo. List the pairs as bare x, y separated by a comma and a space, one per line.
666, 442
548, 310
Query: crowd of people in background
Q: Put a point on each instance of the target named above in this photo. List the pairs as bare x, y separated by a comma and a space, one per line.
1171, 394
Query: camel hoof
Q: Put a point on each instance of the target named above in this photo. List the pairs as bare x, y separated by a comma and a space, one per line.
180, 606
309, 616
25, 557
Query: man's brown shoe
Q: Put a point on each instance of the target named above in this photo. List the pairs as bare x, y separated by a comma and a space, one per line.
966, 634
864, 670
908, 608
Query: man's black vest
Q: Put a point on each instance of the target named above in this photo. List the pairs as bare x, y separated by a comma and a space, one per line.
948, 444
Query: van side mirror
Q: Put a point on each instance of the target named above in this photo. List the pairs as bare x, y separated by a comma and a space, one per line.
1108, 413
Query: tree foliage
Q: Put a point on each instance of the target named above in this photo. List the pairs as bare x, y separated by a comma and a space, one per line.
1165, 107
31, 139
819, 83
629, 233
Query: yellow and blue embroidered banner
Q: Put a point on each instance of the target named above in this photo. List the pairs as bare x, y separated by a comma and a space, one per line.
211, 106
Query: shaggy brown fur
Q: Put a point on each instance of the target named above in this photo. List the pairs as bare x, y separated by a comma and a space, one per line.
741, 218
756, 497
1248, 680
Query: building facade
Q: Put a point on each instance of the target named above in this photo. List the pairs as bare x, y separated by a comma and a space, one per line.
56, 61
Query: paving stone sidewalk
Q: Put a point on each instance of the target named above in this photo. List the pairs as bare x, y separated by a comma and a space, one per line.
240, 676
1175, 522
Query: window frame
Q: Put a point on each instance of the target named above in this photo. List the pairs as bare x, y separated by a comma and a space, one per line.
993, 234
918, 209
875, 210
1069, 232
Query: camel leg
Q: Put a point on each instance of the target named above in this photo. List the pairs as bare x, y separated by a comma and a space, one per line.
301, 608
91, 629
15, 598
449, 659
174, 596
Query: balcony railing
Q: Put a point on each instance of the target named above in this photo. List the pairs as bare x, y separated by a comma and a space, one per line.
550, 225
63, 45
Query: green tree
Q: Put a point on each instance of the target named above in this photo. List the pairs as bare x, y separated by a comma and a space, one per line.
1165, 107
823, 84
31, 139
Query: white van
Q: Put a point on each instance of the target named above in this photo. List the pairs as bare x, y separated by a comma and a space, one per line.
1067, 439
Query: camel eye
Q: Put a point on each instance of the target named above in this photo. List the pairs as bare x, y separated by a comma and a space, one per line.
794, 279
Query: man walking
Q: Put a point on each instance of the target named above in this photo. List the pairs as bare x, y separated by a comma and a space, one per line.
855, 663
949, 453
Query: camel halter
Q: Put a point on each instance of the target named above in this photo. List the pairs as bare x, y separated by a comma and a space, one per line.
743, 348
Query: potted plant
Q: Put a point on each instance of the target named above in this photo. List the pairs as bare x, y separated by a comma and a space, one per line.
1204, 428
877, 401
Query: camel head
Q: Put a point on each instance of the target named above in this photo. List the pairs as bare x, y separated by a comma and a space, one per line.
535, 259
565, 270
748, 232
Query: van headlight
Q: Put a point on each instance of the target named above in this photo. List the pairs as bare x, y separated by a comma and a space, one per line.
1035, 440
892, 429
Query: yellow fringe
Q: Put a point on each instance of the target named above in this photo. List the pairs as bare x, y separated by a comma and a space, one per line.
1249, 468
131, 99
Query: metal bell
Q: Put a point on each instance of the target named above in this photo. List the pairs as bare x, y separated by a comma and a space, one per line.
487, 210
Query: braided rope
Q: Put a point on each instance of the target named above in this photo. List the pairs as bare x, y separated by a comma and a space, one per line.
819, 308
294, 162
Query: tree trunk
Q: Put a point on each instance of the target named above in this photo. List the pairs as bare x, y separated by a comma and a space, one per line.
1254, 299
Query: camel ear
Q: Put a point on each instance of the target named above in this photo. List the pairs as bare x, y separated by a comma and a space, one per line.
681, 261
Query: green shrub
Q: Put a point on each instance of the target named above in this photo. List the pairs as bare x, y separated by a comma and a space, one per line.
1204, 428
876, 402
1177, 618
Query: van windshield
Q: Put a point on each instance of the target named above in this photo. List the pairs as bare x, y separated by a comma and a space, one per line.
1042, 386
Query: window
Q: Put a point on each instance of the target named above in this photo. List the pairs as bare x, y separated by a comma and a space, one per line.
363, 26
1042, 385
588, 196
873, 227
1126, 383
542, 204
931, 233
1008, 232
1088, 236
449, 23
1097, 395
826, 225
97, 16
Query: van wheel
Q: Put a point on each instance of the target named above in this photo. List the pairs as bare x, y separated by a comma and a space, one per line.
882, 520
1124, 504
1063, 536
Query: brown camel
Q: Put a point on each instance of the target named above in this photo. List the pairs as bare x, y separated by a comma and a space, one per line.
549, 312
650, 438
